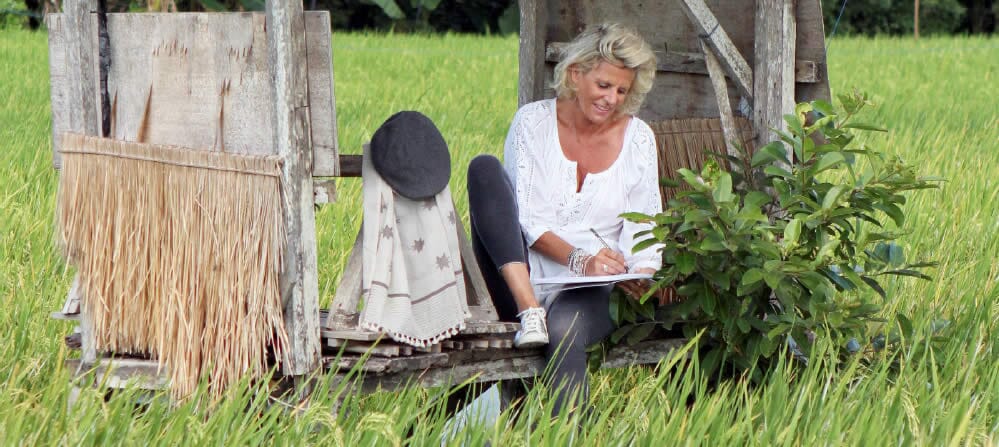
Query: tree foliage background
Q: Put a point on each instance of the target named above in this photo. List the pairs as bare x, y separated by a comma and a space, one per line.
868, 17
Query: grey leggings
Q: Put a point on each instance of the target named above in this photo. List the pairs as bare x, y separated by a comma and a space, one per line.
576, 319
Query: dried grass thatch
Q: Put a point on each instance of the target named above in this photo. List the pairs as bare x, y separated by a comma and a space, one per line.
682, 143
179, 254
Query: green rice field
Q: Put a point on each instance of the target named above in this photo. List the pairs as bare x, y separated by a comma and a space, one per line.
937, 95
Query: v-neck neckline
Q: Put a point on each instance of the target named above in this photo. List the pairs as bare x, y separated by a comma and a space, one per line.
578, 185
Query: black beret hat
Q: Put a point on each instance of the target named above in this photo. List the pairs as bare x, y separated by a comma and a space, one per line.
410, 154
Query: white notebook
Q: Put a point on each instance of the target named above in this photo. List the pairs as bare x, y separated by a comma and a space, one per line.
583, 281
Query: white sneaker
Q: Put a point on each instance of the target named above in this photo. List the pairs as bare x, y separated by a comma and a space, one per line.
533, 330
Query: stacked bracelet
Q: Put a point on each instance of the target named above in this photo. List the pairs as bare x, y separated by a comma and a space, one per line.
578, 258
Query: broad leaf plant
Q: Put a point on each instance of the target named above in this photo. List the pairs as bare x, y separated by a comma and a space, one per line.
781, 251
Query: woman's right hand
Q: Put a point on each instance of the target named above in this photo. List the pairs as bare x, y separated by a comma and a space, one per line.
606, 262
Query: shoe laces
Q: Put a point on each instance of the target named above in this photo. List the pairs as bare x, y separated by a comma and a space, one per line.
532, 320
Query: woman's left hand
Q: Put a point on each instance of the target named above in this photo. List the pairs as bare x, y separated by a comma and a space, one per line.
637, 287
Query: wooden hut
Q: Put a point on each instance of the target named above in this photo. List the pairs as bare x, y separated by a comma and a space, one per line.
727, 72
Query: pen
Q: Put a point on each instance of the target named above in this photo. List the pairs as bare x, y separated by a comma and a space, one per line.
602, 241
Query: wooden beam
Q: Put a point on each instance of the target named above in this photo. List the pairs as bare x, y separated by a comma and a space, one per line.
343, 314
721, 96
774, 82
322, 97
805, 71
709, 28
533, 17
480, 304
292, 141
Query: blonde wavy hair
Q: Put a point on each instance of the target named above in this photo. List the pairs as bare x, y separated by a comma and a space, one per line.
615, 44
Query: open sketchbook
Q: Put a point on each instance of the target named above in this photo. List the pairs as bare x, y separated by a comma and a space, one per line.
572, 282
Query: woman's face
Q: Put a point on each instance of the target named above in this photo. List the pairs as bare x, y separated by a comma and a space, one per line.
602, 90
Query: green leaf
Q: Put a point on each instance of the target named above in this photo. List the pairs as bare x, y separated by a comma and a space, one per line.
823, 107
908, 272
743, 325
621, 332
774, 151
894, 212
828, 161
773, 279
686, 263
905, 326
755, 200
775, 171
874, 285
864, 126
213, 5
832, 196
791, 233
642, 245
751, 276
723, 189
636, 217
640, 333
390, 8
615, 308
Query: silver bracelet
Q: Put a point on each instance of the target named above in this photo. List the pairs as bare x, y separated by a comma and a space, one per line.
578, 258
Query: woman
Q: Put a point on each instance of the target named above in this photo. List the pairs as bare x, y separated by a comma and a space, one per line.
573, 165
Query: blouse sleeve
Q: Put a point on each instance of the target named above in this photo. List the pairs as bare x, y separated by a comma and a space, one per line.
644, 198
525, 169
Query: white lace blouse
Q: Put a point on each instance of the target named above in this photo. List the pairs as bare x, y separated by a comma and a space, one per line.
545, 185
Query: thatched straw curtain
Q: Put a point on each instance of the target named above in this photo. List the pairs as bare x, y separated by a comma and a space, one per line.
682, 142
179, 254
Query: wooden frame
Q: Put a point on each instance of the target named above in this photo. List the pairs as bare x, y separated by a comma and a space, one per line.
266, 94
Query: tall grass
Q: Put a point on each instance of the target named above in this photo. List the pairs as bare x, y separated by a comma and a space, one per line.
937, 96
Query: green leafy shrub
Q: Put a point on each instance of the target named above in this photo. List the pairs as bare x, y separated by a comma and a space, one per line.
786, 252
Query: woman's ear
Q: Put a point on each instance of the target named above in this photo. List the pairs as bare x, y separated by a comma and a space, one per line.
574, 74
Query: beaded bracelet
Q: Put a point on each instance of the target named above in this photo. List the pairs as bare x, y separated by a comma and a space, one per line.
578, 258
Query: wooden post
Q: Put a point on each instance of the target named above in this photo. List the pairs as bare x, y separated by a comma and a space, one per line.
711, 31
915, 20
292, 141
773, 84
81, 68
81, 60
533, 16
721, 96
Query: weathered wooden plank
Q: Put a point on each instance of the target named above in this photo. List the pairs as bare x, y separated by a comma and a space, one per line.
62, 82
643, 353
729, 56
324, 191
205, 77
533, 18
350, 165
724, 106
805, 71
292, 141
380, 349
475, 327
774, 82
64, 316
480, 304
72, 304
322, 98
120, 373
343, 314
810, 45
352, 334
